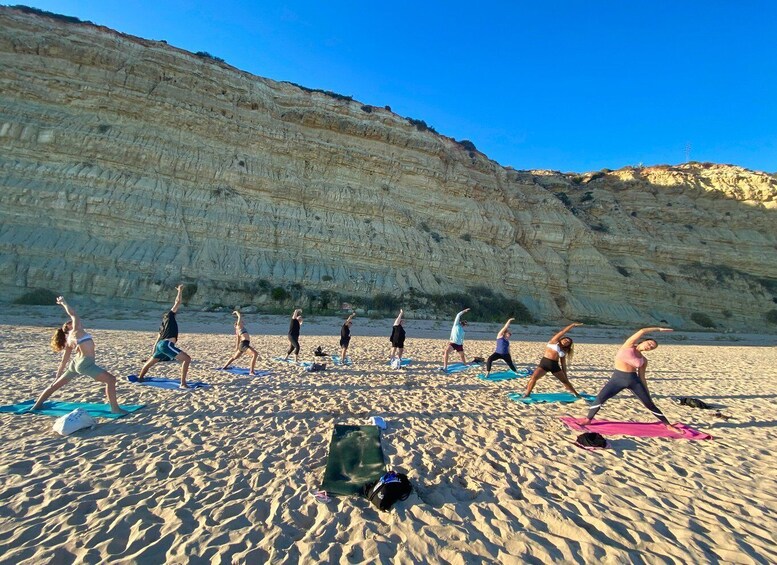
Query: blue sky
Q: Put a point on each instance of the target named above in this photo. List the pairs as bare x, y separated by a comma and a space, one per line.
566, 85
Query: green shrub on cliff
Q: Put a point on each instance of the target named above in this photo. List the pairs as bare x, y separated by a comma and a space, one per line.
37, 297
702, 319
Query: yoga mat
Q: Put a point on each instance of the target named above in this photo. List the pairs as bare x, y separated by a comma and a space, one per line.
169, 384
243, 371
292, 362
548, 397
355, 458
504, 375
61, 408
336, 360
459, 367
405, 362
636, 429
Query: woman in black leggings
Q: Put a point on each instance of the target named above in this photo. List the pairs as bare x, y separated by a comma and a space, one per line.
630, 366
502, 348
294, 326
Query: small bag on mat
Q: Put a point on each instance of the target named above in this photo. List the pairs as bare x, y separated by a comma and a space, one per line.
315, 367
692, 402
389, 489
76, 420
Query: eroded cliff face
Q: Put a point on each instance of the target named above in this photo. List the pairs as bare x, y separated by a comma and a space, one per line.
127, 165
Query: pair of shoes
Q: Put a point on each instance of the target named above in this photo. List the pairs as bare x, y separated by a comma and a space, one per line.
321, 496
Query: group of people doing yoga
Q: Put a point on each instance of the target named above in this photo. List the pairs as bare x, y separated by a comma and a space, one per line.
78, 355
630, 363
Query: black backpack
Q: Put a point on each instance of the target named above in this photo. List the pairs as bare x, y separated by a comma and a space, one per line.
693, 402
319, 352
315, 367
591, 439
390, 488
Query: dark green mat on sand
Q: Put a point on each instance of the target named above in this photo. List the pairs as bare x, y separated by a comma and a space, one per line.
355, 458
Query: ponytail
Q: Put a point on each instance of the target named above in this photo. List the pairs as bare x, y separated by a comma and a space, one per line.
59, 340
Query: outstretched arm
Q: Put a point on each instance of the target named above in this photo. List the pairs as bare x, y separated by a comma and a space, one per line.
505, 328
70, 312
178, 298
296, 314
563, 332
633, 339
399, 318
458, 316
349, 318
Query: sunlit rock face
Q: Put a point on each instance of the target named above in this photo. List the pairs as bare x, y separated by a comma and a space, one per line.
128, 165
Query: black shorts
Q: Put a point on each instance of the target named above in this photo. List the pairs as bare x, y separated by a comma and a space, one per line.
456, 346
344, 341
398, 343
244, 344
550, 365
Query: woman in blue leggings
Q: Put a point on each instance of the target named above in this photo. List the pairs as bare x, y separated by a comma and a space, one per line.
630, 366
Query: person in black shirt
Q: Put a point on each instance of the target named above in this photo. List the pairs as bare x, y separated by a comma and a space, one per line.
345, 337
294, 326
165, 348
398, 337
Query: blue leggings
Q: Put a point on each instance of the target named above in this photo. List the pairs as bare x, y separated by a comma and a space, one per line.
619, 381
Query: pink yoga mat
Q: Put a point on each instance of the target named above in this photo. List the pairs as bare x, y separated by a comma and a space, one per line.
636, 429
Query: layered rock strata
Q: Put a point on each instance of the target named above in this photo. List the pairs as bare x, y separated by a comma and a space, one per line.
127, 165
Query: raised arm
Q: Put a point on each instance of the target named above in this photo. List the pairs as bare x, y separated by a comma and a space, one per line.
70, 312
399, 318
633, 339
458, 316
563, 332
296, 314
349, 318
178, 298
505, 328
239, 317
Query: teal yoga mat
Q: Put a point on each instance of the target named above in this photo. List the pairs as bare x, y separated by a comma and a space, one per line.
355, 458
504, 375
62, 408
548, 397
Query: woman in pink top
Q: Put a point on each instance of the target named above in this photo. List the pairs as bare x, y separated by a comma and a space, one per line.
629, 373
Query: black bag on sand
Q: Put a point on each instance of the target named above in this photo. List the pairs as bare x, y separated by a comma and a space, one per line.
591, 439
319, 352
389, 489
692, 402
315, 367
478, 360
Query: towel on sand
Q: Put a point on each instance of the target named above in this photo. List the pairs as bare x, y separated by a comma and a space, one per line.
159, 382
548, 397
63, 408
636, 429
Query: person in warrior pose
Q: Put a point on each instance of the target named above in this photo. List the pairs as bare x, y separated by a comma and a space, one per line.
502, 348
242, 344
398, 337
294, 327
165, 348
345, 337
559, 349
72, 338
630, 367
456, 342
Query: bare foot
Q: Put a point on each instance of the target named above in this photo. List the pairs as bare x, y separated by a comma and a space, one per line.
119, 410
584, 422
225, 367
37, 406
183, 385
141, 379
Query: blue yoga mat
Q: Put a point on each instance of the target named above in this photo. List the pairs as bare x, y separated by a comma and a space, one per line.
405, 362
170, 384
62, 408
504, 375
292, 362
459, 367
548, 397
336, 360
243, 371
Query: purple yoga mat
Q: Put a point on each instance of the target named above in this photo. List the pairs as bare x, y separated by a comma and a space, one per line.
636, 429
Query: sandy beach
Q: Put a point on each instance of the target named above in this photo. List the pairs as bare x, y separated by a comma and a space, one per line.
225, 475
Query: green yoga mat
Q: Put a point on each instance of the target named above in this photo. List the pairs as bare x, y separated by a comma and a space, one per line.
61, 408
355, 458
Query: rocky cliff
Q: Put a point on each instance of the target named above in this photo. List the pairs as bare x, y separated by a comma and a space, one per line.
127, 165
